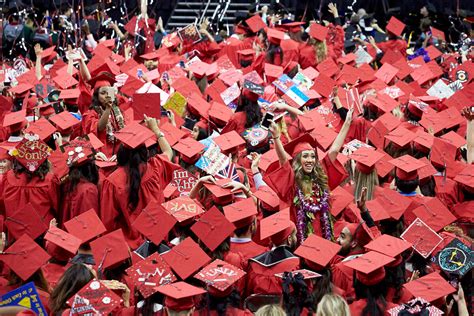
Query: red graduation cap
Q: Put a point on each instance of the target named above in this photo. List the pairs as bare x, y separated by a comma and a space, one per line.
229, 141
434, 213
366, 159
317, 31
430, 287
180, 296
31, 152
407, 167
278, 227
186, 258
268, 197
386, 73
212, 228
24, 257
85, 226
134, 135
423, 238
370, 267
25, 220
146, 104
152, 216
94, 297
389, 245
395, 26
42, 127
62, 239
317, 251
220, 275
241, 213
151, 273
183, 208
110, 249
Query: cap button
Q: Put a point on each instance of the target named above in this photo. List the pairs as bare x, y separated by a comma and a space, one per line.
213, 227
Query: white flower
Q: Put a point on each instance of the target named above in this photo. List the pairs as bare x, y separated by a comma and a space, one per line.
106, 300
70, 153
78, 149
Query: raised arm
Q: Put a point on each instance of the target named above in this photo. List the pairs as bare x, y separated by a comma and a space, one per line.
38, 52
152, 124
339, 141
278, 144
468, 113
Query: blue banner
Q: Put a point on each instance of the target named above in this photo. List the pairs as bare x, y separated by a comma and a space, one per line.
25, 296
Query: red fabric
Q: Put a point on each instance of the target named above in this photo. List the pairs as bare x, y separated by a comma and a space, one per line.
115, 211
262, 280
290, 50
307, 56
393, 45
90, 123
236, 123
83, 198
19, 190
247, 250
358, 130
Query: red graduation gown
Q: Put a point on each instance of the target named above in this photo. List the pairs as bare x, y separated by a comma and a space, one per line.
393, 45
282, 181
90, 123
236, 123
307, 56
262, 280
84, 197
115, 211
43, 194
358, 130
247, 249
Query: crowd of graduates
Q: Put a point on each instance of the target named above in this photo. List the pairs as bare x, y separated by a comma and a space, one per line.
274, 170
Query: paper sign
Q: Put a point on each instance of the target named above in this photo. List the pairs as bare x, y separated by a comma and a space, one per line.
24, 296
362, 57
230, 94
283, 83
255, 88
440, 90
212, 161
177, 103
189, 34
295, 97
303, 82
307, 274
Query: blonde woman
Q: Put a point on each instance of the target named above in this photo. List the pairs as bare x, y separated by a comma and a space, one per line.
270, 310
332, 305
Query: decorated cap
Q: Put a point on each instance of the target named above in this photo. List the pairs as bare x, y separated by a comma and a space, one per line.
183, 208
212, 228
370, 267
95, 297
31, 152
219, 277
186, 258
42, 127
78, 151
423, 238
180, 296
151, 273
152, 215
24, 257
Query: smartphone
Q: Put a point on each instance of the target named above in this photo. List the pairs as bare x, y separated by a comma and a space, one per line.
111, 93
267, 120
165, 76
165, 113
181, 64
139, 73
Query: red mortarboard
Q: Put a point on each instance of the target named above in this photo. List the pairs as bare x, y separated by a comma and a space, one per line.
65, 80
277, 226
134, 135
212, 228
64, 120
366, 159
15, 119
21, 89
62, 239
466, 177
292, 27
390, 246
255, 23
31, 152
110, 249
401, 136
430, 287
442, 152
221, 196
85, 226
151, 273
42, 127
302, 143
220, 275
183, 208
25, 220
317, 31
423, 238
392, 201
275, 36
24, 257
434, 213
407, 167
323, 84
186, 258
229, 141
219, 113
267, 196
95, 297
318, 251
386, 73
180, 295
340, 199
273, 72
152, 216
395, 26
198, 105
241, 213
69, 94
146, 104
370, 267
172, 133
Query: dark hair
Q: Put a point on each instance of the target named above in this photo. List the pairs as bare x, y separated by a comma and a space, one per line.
74, 279
272, 51
259, 150
252, 111
202, 134
410, 116
427, 188
294, 301
87, 171
220, 304
322, 286
41, 172
375, 295
369, 114
406, 186
242, 230
245, 63
132, 159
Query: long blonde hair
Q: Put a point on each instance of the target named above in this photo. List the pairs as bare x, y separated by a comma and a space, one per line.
370, 181
332, 305
270, 310
317, 175
320, 48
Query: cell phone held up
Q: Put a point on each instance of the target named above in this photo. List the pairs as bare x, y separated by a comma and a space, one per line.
267, 120
111, 93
